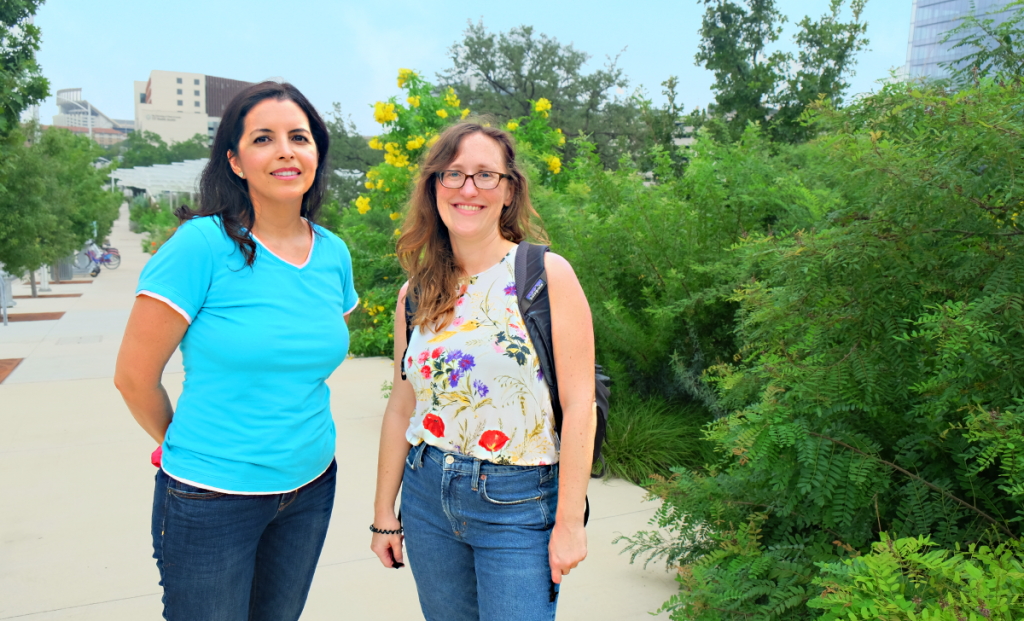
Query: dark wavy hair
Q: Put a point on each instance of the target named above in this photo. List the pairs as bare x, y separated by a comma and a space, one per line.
224, 193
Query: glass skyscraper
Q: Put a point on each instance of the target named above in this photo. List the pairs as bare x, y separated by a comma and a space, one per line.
931, 20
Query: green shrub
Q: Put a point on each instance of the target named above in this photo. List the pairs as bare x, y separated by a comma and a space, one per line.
155, 219
648, 436
879, 380
910, 579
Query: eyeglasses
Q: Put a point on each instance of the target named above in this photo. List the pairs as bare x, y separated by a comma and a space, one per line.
483, 180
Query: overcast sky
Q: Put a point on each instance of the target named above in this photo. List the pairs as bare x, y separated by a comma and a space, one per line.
350, 52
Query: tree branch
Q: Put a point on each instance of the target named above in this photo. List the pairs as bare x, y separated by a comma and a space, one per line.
964, 503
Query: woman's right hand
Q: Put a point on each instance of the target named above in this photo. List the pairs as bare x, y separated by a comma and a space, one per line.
388, 548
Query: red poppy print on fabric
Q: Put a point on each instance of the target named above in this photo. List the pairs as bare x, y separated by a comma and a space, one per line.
493, 440
437, 353
424, 356
425, 371
434, 424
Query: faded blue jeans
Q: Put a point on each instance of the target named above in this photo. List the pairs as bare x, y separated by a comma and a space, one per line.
228, 557
477, 536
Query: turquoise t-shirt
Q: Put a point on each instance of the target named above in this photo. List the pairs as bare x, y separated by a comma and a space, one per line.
254, 415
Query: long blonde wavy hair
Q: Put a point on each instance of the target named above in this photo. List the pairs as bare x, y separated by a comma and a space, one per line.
424, 246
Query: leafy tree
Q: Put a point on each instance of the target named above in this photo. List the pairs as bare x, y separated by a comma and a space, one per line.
502, 74
54, 200
144, 148
827, 54
989, 48
349, 154
21, 81
753, 84
663, 125
734, 39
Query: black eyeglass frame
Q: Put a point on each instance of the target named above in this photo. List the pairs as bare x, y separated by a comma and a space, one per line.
440, 178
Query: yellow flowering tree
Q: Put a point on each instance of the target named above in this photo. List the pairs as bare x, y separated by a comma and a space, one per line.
410, 124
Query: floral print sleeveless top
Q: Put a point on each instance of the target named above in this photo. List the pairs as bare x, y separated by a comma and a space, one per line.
479, 389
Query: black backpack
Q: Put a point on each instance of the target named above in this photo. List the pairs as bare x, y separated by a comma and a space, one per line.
535, 307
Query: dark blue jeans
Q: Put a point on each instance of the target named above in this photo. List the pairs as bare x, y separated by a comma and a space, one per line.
477, 534
226, 557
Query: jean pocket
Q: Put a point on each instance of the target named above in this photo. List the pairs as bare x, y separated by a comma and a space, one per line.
510, 490
190, 492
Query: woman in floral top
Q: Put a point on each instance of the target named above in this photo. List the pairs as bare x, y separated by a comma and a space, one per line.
492, 498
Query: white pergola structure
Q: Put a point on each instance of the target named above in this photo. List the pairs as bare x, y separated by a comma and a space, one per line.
180, 177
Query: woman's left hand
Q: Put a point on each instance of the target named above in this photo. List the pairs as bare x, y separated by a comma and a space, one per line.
567, 548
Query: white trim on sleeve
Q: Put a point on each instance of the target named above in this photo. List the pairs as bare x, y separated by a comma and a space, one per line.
354, 306
157, 296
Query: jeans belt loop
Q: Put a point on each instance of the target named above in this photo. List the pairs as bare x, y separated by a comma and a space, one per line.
476, 473
417, 458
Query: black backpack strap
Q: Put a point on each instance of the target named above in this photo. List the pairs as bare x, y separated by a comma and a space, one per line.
410, 312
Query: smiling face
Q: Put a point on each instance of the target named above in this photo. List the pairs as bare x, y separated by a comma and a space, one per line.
471, 213
276, 153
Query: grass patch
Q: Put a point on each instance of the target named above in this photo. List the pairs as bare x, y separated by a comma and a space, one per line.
649, 435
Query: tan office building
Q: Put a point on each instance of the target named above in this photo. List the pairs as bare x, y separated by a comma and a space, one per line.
177, 105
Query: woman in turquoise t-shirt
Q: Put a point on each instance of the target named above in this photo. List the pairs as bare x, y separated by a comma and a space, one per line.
257, 296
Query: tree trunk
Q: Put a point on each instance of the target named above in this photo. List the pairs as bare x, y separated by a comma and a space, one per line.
32, 280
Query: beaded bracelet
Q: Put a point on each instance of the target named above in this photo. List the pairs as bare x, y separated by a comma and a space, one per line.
398, 531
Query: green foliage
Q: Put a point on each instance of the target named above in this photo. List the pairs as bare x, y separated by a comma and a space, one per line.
21, 80
773, 88
154, 218
990, 49
654, 256
909, 578
52, 198
647, 436
349, 157
144, 148
879, 380
504, 74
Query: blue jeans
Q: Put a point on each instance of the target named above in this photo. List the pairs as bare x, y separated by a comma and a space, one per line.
477, 536
227, 557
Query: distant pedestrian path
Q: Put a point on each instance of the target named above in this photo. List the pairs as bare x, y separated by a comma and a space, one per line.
75, 473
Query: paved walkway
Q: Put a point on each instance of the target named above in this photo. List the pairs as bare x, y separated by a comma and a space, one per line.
77, 486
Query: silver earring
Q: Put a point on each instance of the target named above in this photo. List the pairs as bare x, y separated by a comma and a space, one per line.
242, 175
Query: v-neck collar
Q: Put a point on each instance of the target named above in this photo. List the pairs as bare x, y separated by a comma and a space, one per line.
309, 256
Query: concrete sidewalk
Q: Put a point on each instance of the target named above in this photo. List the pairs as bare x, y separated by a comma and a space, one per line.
77, 484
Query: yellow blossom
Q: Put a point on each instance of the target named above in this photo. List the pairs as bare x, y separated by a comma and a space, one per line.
391, 147
554, 164
400, 160
384, 113
450, 98
380, 183
512, 126
414, 102
395, 215
561, 137
363, 204
542, 106
376, 144
432, 140
369, 185
373, 174
443, 114
415, 143
465, 112
398, 232
414, 167
404, 75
